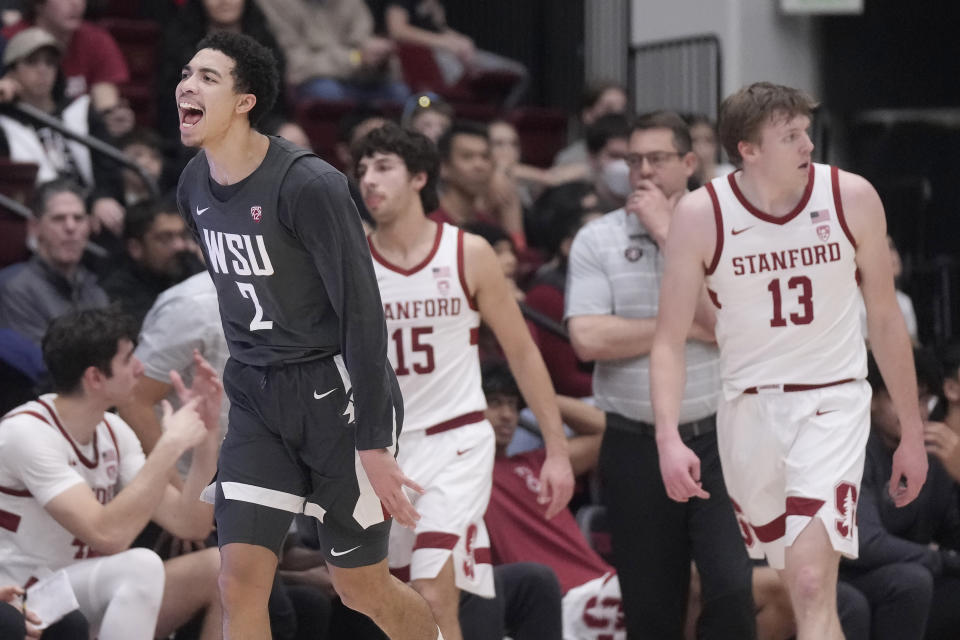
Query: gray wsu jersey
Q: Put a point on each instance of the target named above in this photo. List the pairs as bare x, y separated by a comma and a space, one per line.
293, 274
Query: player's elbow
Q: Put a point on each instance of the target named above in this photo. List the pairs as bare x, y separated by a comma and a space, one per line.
107, 543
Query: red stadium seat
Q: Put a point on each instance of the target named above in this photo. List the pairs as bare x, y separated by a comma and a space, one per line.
542, 133
421, 73
321, 120
139, 40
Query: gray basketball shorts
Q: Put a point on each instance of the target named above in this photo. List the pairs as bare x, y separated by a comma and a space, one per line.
290, 449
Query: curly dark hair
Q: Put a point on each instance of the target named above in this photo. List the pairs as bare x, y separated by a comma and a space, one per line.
498, 380
254, 69
81, 339
415, 149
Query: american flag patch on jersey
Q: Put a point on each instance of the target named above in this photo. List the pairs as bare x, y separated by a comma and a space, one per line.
816, 217
441, 272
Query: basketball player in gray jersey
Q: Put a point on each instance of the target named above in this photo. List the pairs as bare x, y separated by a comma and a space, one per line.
315, 408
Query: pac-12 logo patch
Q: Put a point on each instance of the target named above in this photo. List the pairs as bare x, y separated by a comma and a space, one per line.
846, 503
256, 213
633, 253
823, 232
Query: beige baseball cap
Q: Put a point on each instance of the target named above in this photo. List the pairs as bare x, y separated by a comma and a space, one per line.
26, 42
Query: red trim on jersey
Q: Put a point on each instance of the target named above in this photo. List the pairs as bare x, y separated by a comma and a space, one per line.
795, 506
9, 521
483, 555
718, 218
766, 217
401, 573
435, 540
838, 205
714, 299
453, 423
474, 336
408, 272
85, 460
16, 493
463, 272
790, 388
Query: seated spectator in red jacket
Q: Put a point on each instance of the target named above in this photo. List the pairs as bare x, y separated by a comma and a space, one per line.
515, 516
92, 62
466, 172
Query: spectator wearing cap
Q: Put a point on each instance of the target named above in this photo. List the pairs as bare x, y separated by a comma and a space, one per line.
52, 282
427, 113
30, 61
92, 64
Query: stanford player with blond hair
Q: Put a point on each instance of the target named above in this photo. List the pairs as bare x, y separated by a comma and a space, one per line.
437, 284
781, 245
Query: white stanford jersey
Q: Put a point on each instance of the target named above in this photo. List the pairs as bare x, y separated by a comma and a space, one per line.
432, 331
39, 461
785, 289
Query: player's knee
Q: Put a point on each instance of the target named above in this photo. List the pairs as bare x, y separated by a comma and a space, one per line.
145, 578
810, 584
367, 599
246, 575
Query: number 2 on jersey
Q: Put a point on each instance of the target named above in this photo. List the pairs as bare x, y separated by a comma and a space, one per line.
427, 365
805, 298
258, 323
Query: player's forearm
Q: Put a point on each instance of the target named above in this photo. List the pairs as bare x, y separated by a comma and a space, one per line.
534, 382
197, 516
611, 337
124, 517
667, 380
893, 352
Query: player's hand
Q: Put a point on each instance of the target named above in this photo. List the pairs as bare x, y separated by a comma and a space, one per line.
942, 442
680, 470
33, 621
388, 481
11, 593
652, 208
183, 428
206, 386
909, 471
556, 484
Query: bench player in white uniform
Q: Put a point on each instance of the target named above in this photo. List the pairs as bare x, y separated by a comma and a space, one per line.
780, 246
75, 485
437, 283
